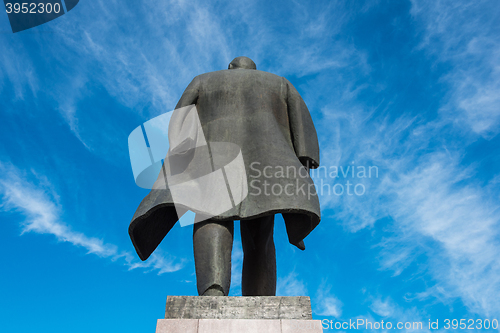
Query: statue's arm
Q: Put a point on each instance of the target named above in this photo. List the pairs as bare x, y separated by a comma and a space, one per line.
190, 95
304, 137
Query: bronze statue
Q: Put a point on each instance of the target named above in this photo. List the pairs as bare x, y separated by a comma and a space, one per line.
264, 115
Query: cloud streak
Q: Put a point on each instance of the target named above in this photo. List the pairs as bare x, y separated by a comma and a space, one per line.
327, 304
290, 285
464, 35
43, 217
462, 220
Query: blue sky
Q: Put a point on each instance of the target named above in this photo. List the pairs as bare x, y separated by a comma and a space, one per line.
411, 87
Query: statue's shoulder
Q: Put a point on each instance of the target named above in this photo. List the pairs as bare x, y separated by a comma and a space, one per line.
237, 74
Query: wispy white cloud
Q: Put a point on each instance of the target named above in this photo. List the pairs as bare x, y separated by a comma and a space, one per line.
383, 308
157, 261
437, 208
463, 220
42, 216
17, 71
385, 316
290, 285
465, 35
327, 304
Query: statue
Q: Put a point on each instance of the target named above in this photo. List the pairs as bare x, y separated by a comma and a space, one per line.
264, 115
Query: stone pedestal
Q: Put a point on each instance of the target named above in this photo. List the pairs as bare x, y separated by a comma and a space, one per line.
222, 314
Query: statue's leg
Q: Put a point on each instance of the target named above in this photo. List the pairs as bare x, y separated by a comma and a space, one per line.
213, 243
259, 257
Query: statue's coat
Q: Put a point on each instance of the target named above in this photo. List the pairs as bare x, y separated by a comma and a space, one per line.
265, 116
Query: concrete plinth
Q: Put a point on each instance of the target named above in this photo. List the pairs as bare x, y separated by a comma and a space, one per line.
211, 314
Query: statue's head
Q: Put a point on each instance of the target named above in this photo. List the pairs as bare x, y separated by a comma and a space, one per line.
242, 62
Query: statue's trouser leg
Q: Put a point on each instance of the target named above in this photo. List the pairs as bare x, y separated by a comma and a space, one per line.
213, 243
259, 262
